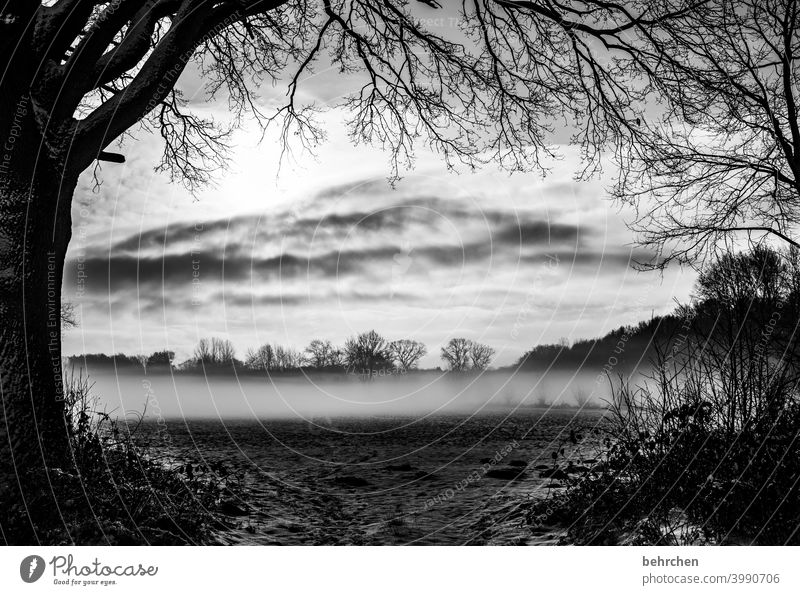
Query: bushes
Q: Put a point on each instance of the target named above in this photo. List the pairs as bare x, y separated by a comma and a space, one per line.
119, 492
687, 480
706, 450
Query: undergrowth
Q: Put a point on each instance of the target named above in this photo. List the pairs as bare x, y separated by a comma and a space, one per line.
707, 448
122, 490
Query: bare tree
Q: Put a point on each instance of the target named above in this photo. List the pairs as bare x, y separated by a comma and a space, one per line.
202, 351
367, 352
742, 279
461, 355
287, 358
456, 354
222, 351
720, 160
320, 354
69, 316
273, 358
480, 355
337, 357
262, 358
214, 352
406, 353
251, 360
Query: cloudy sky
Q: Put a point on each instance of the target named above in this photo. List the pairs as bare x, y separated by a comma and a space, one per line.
324, 247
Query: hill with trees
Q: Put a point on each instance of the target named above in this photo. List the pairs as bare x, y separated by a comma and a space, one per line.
623, 349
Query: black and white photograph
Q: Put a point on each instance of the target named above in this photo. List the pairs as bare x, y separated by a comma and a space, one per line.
399, 273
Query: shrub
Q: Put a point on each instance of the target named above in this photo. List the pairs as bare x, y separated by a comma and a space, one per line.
120, 492
705, 450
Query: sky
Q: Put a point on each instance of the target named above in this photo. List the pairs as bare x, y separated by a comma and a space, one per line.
323, 246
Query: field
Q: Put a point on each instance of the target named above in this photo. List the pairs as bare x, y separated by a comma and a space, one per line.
436, 479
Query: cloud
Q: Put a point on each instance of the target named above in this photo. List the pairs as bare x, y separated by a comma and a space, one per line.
171, 271
257, 300
400, 215
114, 274
388, 252
526, 233
117, 273
340, 240
615, 257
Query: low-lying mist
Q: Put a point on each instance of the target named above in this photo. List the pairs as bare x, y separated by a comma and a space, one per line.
226, 396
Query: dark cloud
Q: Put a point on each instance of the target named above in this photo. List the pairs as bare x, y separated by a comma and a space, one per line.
123, 272
249, 301
165, 263
110, 272
162, 239
379, 220
616, 257
367, 186
414, 217
450, 255
526, 233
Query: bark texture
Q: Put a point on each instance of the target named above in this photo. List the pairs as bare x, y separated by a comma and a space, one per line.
35, 199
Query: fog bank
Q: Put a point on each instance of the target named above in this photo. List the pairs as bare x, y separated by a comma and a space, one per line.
227, 396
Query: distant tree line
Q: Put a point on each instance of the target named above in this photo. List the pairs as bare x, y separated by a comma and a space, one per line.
729, 295
158, 359
621, 350
364, 354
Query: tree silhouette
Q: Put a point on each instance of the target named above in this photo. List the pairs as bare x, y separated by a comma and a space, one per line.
262, 358
287, 358
480, 356
456, 354
406, 353
367, 352
720, 159
461, 355
321, 354
161, 358
214, 352
69, 318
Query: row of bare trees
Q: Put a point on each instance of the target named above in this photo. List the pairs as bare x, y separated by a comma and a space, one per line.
214, 351
364, 353
369, 352
273, 357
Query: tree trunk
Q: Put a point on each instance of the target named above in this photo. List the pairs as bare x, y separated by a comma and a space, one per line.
35, 227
